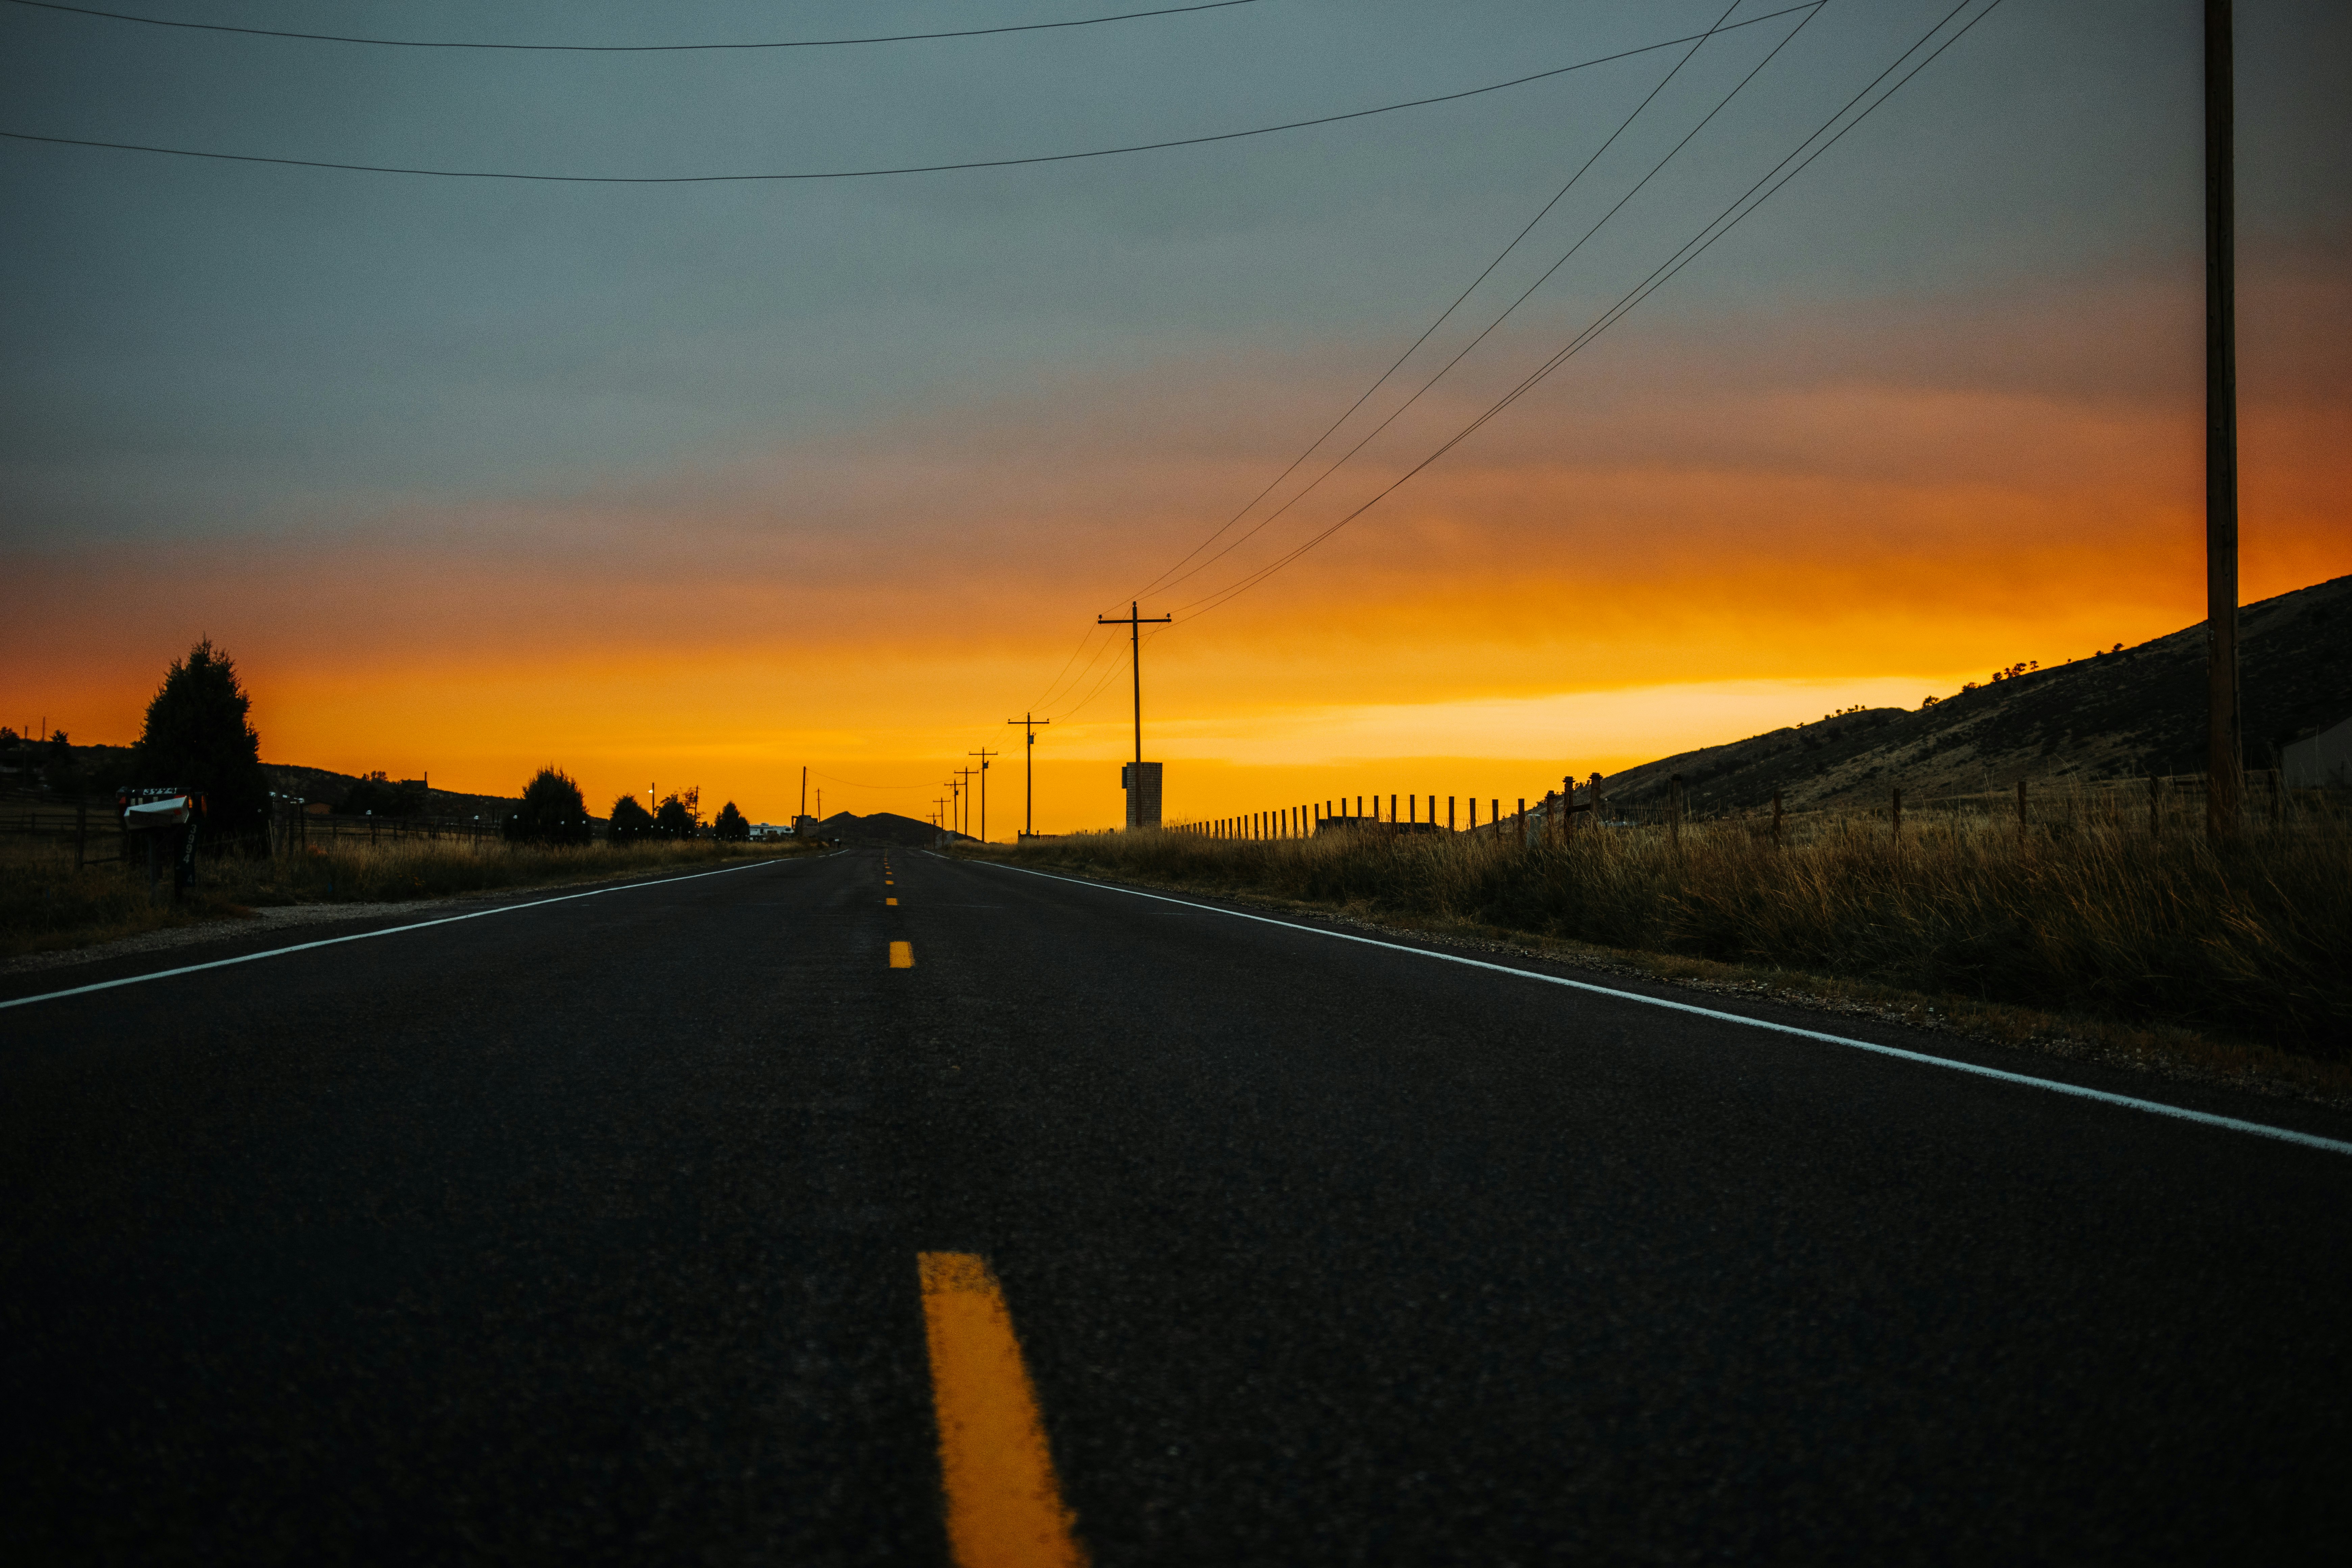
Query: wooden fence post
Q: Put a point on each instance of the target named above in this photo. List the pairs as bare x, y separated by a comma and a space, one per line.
1449, 802
1523, 822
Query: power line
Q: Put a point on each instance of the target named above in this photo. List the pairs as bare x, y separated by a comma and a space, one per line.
1055, 684
854, 784
876, 173
1444, 316
1696, 43
1724, 222
620, 48
1466, 351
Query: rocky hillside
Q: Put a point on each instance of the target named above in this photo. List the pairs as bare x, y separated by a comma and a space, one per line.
2141, 711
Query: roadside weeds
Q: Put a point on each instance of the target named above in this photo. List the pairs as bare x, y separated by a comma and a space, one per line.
2163, 1050
51, 914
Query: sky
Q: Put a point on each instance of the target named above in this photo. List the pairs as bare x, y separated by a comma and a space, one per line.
706, 483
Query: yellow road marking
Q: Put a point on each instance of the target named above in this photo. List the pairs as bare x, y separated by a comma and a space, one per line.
902, 955
1004, 1505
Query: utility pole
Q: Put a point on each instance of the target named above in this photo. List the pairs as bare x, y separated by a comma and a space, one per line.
1029, 781
1135, 623
2224, 762
1142, 802
983, 755
965, 775
804, 791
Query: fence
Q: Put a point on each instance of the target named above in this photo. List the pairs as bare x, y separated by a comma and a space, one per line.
2174, 802
90, 823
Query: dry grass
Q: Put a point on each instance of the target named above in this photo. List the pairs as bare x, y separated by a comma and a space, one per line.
2081, 915
45, 904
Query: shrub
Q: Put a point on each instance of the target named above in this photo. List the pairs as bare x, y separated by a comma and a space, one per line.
674, 820
552, 812
731, 826
629, 822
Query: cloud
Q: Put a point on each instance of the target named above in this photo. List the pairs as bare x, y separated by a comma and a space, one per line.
1704, 523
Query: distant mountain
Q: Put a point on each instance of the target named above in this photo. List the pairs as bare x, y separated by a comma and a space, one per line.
2138, 711
883, 827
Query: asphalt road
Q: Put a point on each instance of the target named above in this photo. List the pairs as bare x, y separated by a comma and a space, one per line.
588, 1231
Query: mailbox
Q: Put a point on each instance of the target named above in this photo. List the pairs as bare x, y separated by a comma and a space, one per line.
167, 816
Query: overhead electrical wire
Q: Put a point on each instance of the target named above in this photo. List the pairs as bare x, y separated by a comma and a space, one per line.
1446, 369
854, 784
1446, 314
1697, 42
1690, 250
958, 167
620, 48
1056, 685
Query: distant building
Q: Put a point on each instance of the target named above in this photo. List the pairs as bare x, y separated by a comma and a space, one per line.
803, 826
1141, 783
2321, 762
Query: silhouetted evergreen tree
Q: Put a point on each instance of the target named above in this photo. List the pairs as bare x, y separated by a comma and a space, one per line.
197, 736
731, 824
629, 822
552, 812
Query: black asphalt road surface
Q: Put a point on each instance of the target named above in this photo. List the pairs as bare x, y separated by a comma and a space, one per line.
587, 1232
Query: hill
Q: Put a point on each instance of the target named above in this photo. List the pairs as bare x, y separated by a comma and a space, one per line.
2137, 711
882, 827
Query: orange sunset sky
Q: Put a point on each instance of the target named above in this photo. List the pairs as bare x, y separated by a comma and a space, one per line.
704, 485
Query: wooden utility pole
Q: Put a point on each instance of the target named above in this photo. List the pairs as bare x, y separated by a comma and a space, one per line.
964, 793
1029, 723
983, 755
1135, 622
2224, 759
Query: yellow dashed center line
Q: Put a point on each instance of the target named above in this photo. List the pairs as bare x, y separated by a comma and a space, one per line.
1004, 1504
902, 955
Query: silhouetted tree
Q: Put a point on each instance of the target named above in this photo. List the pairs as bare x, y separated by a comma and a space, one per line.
552, 812
731, 825
629, 822
197, 736
672, 820
373, 794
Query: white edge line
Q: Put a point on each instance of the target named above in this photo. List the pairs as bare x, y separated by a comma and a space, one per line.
2056, 1085
362, 936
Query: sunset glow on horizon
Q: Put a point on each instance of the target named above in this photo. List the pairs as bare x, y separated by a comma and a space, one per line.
572, 513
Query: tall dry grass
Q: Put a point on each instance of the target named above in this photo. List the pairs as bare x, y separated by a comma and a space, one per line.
2082, 913
45, 903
